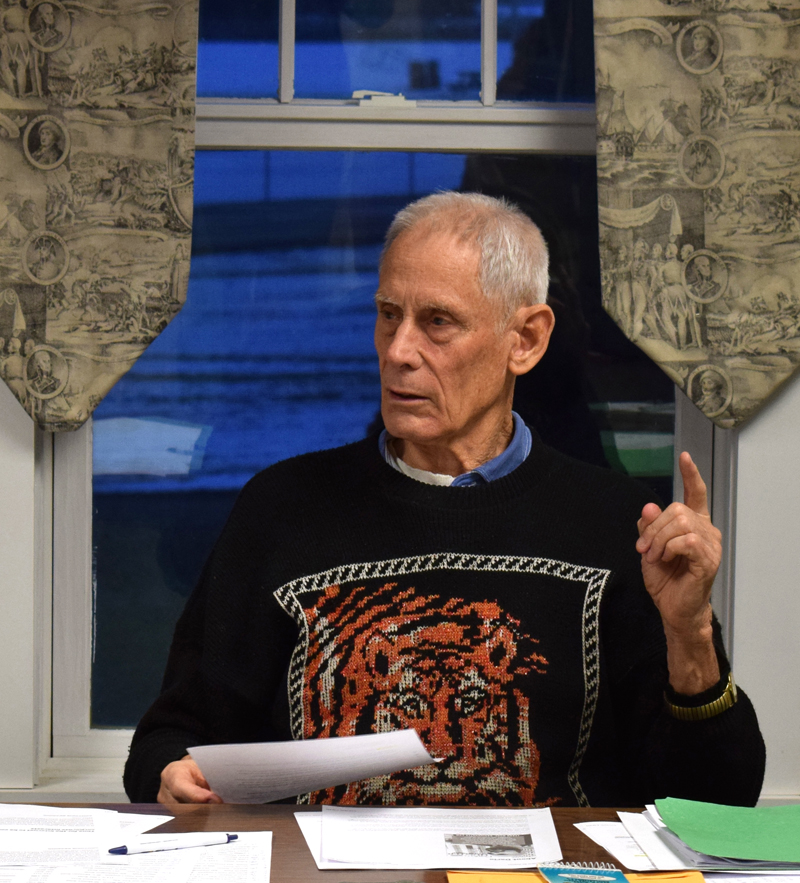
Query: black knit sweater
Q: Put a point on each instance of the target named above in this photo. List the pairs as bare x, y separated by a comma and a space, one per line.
507, 623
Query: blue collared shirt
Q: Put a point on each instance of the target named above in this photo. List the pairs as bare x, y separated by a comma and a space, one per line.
517, 451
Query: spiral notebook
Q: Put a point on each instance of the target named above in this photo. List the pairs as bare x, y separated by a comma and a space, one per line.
581, 872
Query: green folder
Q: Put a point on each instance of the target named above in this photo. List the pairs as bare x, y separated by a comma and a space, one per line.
762, 833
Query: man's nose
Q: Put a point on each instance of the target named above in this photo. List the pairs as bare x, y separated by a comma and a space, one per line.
404, 346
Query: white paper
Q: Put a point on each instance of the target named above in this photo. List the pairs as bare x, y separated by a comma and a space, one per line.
428, 837
16, 875
132, 824
156, 867
49, 835
246, 860
71, 846
264, 771
643, 832
615, 839
311, 827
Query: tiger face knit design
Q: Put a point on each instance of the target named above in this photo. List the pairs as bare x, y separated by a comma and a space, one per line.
376, 654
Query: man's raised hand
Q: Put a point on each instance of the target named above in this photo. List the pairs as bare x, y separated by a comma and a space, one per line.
681, 551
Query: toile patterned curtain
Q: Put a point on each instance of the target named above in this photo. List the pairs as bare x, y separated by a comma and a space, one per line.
698, 160
96, 174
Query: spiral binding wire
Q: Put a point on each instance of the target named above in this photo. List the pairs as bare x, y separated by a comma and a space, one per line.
577, 866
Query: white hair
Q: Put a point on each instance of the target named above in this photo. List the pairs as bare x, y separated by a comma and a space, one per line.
513, 261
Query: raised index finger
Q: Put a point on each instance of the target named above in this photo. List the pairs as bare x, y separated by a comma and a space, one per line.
694, 488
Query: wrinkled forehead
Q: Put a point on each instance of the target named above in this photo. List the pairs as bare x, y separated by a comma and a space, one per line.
449, 237
430, 259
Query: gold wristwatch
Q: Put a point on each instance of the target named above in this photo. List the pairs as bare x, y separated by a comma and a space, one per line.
710, 709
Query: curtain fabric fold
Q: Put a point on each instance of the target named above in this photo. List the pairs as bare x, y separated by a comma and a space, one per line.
698, 160
96, 176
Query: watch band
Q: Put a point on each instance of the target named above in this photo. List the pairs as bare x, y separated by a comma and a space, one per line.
710, 709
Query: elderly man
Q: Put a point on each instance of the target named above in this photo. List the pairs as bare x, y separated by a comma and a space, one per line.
541, 623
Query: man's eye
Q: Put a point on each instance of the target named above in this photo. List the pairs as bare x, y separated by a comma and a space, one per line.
439, 321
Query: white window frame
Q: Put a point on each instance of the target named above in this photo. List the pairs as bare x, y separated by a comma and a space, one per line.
252, 127
73, 760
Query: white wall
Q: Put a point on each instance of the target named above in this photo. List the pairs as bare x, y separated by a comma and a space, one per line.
17, 592
766, 619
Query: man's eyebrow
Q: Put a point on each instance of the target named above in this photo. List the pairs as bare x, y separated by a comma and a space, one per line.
433, 306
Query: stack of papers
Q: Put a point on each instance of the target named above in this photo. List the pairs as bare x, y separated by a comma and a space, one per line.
711, 837
348, 838
689, 835
54, 845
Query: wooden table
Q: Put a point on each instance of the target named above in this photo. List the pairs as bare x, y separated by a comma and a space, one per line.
292, 862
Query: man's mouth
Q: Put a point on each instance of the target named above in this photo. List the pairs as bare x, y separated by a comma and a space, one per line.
401, 396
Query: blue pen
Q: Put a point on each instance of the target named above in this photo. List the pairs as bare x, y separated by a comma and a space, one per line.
179, 841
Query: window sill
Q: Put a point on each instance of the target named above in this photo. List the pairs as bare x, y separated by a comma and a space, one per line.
73, 780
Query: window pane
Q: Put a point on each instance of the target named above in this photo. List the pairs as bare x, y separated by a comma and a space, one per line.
237, 50
429, 50
272, 356
545, 50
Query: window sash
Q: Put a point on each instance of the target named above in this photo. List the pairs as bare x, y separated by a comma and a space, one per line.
286, 47
248, 125
458, 126
262, 125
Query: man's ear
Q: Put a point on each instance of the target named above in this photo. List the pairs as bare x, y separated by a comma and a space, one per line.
531, 327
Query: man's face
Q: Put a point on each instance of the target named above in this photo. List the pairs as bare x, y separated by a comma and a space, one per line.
700, 40
703, 266
47, 136
443, 364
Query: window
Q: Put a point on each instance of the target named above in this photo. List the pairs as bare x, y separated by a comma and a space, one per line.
272, 354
